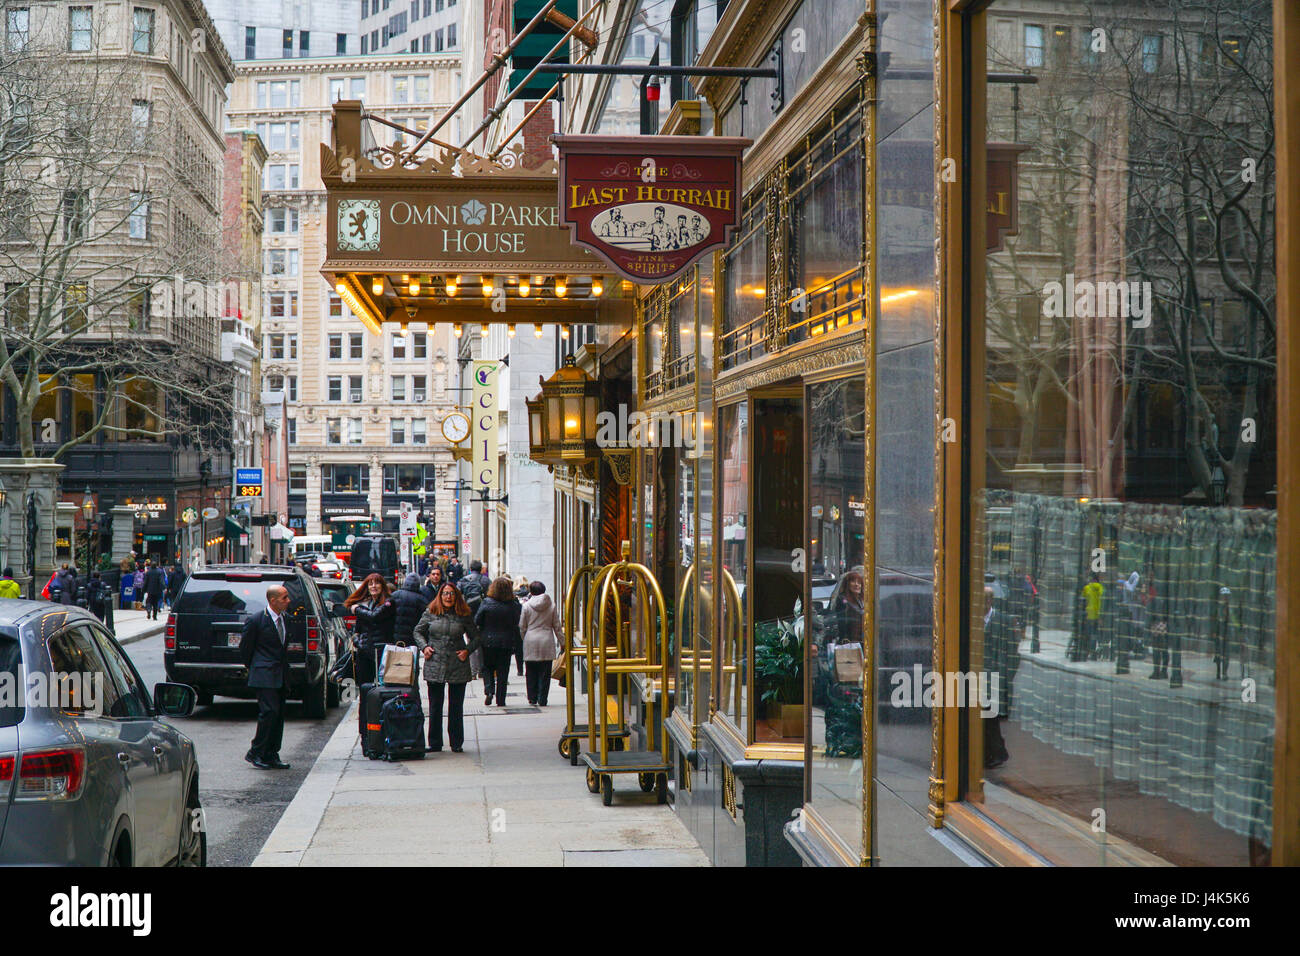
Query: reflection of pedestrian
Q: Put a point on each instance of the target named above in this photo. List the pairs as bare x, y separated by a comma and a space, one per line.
1222, 626
1084, 646
1001, 657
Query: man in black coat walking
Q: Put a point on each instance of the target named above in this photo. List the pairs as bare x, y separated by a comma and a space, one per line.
153, 589
263, 650
409, 604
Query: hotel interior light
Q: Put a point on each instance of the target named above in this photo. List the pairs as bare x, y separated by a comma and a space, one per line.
510, 330
353, 302
561, 287
524, 287
487, 284
458, 329
564, 331
414, 287
377, 285
537, 330
451, 284
597, 287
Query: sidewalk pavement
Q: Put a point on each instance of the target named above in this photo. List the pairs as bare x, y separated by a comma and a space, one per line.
132, 626
509, 799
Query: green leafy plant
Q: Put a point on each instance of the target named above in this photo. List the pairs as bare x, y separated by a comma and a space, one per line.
778, 661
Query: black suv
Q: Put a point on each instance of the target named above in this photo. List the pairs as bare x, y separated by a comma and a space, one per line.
201, 647
373, 554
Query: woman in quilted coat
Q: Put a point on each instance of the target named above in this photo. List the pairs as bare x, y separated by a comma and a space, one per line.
445, 637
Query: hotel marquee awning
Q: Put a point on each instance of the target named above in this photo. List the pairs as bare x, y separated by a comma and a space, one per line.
455, 238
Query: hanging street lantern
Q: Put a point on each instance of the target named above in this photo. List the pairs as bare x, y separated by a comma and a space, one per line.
562, 420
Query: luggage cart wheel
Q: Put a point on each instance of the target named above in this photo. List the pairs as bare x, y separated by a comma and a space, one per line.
574, 750
593, 782
607, 789
564, 747
661, 787
646, 781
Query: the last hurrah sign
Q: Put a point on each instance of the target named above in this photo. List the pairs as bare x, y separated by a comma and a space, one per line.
650, 205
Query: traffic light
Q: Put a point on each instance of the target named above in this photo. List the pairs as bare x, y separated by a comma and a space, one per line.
536, 45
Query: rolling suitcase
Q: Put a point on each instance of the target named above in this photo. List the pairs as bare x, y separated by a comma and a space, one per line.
373, 698
401, 722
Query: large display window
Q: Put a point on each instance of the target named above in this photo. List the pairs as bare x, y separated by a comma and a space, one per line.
1122, 540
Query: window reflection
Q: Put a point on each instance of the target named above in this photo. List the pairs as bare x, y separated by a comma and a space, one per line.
733, 458
1125, 530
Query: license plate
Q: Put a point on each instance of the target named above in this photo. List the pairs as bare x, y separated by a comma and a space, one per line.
232, 640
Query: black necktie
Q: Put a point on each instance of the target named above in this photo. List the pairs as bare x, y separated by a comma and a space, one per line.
279, 628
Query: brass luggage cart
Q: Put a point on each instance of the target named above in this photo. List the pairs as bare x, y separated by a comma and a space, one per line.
612, 661
577, 600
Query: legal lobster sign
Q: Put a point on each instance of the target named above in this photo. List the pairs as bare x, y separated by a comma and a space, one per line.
650, 205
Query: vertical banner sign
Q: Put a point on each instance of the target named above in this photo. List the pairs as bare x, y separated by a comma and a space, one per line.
485, 427
650, 205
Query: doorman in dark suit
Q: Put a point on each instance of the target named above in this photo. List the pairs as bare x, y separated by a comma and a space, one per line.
264, 651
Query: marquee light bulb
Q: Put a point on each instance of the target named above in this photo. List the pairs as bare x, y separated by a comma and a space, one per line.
487, 285
561, 287
524, 287
510, 330
377, 285
458, 330
597, 287
414, 287
564, 331
451, 284
537, 330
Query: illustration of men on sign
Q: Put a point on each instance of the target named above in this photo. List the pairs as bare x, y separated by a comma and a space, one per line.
659, 233
682, 236
357, 224
615, 226
697, 232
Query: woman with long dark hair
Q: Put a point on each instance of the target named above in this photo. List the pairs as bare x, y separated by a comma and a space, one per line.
498, 621
446, 636
374, 628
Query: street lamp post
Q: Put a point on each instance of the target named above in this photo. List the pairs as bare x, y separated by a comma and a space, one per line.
88, 511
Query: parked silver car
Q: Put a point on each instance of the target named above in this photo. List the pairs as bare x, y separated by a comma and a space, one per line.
90, 772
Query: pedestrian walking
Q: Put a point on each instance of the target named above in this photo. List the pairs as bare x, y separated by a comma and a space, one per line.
540, 624
139, 585
498, 622
373, 607
153, 589
455, 571
409, 604
446, 636
432, 584
8, 586
474, 585
63, 589
175, 581
264, 650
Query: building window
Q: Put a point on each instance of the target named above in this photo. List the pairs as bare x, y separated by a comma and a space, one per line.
293, 388
419, 345
355, 389
141, 116
397, 431
304, 43
356, 345
275, 346
334, 392
399, 388
437, 41
138, 222
17, 305
275, 383
142, 31
411, 89
340, 44
76, 299
419, 388
292, 436
365, 44
288, 44
1033, 45
336, 307
407, 479
281, 176
282, 262
418, 435
279, 94
344, 479
333, 432
76, 209
399, 346
250, 43
451, 36
282, 218
335, 340
297, 475
17, 28
354, 431
282, 305
79, 29
1151, 45
424, 44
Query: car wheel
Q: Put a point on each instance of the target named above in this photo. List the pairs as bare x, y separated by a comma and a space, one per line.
315, 701
193, 850
204, 698
121, 853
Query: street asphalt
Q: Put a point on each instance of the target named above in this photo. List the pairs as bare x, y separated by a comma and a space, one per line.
241, 804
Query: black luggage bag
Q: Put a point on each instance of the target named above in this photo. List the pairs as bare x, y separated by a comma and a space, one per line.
401, 722
370, 716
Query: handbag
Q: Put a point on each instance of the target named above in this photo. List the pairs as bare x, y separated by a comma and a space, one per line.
848, 663
397, 666
558, 669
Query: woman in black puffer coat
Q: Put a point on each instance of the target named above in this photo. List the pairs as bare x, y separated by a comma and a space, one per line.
497, 621
408, 607
373, 607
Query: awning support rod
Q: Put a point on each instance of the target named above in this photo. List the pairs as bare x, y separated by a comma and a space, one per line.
613, 69
498, 60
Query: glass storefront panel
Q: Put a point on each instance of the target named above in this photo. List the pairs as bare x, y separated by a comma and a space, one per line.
733, 619
682, 608
746, 288
778, 573
703, 454
1123, 536
836, 600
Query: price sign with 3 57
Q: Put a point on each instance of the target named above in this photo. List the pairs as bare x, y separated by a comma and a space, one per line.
250, 491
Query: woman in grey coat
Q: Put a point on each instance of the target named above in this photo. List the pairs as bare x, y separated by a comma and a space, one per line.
446, 636
540, 625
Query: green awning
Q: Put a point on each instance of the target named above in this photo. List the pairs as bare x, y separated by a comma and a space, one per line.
234, 528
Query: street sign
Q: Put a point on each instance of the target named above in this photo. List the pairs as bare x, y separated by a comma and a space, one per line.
248, 482
189, 516
210, 513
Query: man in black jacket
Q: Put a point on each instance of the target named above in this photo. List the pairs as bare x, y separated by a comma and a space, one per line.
263, 650
153, 589
409, 604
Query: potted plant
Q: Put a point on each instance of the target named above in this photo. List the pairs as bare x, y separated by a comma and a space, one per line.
778, 665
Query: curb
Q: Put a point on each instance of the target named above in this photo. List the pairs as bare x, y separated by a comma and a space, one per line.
143, 635
301, 818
